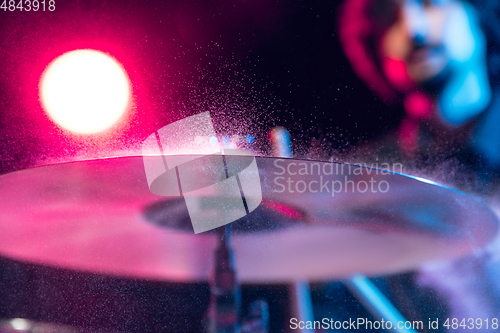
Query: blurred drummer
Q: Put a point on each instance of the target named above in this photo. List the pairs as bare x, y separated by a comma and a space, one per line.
437, 58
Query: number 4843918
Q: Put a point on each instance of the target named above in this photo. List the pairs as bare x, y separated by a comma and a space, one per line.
28, 5
471, 323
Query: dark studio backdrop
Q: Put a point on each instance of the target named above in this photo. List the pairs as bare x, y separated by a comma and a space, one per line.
253, 64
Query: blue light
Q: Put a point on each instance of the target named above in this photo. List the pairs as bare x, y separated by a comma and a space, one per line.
213, 140
250, 138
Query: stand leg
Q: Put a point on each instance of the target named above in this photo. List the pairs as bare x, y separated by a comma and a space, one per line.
225, 292
376, 303
301, 303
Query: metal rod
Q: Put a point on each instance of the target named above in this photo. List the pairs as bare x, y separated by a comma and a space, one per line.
302, 308
376, 303
225, 299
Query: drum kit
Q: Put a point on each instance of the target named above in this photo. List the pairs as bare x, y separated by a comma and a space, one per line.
98, 220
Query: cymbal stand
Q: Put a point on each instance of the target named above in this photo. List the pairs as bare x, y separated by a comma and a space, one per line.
225, 299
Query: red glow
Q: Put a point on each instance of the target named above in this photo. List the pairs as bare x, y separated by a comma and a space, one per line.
355, 29
408, 136
37, 40
418, 105
397, 73
284, 209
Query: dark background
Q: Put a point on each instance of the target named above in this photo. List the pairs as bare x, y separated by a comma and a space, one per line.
253, 64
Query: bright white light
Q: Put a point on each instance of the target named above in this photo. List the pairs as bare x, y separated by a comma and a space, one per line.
426, 180
85, 91
20, 324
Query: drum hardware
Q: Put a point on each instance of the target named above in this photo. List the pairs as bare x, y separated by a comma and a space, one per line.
225, 299
258, 319
375, 302
301, 302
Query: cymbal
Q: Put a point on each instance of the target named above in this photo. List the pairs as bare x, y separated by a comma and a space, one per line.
315, 222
